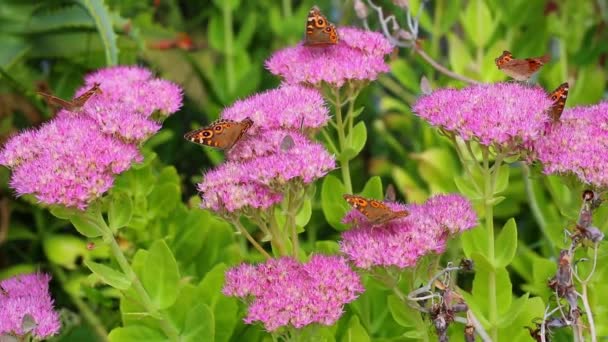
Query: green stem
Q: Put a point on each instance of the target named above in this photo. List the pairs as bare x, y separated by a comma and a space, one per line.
329, 141
286, 9
228, 48
164, 322
277, 236
344, 162
85, 311
245, 233
489, 181
290, 221
537, 212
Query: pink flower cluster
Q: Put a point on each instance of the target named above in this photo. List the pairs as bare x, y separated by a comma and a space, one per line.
27, 295
73, 159
258, 166
283, 292
499, 113
402, 242
358, 56
578, 145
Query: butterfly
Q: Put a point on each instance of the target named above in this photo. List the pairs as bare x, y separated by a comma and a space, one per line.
558, 96
74, 104
222, 134
376, 212
520, 69
287, 143
319, 31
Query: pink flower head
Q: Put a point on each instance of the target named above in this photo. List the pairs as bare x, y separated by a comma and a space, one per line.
283, 292
402, 242
287, 107
358, 56
578, 145
264, 143
498, 113
69, 162
255, 177
132, 90
27, 295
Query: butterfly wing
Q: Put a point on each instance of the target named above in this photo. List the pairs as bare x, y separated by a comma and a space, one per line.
375, 211
287, 143
520, 69
57, 102
558, 96
222, 134
319, 31
82, 99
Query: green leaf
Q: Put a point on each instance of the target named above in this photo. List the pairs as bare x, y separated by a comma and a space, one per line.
502, 179
136, 333
481, 284
514, 311
64, 249
355, 332
163, 199
475, 241
356, 138
60, 18
506, 244
109, 275
199, 325
160, 276
13, 49
305, 213
327, 247
373, 188
87, 225
404, 73
478, 23
333, 204
459, 56
103, 20
466, 186
224, 309
246, 32
402, 314
120, 211
215, 33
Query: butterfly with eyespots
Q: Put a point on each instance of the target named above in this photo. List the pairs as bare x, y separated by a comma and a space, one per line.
319, 31
375, 211
520, 69
558, 96
222, 134
76, 103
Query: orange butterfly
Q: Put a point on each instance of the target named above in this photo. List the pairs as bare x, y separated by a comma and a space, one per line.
319, 31
222, 134
76, 103
520, 69
558, 96
376, 212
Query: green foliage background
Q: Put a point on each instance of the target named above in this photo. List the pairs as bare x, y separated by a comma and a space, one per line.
56, 42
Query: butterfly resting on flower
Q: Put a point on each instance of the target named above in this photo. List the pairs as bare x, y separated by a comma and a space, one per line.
222, 134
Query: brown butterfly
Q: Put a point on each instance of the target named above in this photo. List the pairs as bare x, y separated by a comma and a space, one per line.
376, 212
222, 134
76, 103
520, 69
558, 96
319, 31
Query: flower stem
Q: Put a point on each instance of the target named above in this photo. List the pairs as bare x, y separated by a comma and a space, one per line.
144, 298
245, 233
228, 48
344, 162
489, 182
86, 312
